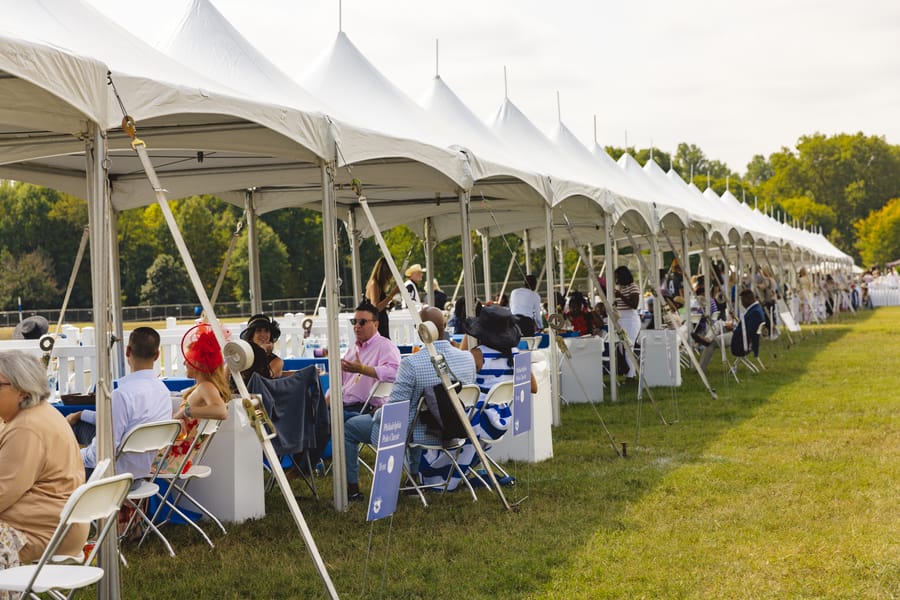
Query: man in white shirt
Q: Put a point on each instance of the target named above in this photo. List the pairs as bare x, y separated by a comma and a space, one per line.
139, 398
525, 303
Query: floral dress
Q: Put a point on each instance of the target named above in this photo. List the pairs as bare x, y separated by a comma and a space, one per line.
11, 541
173, 459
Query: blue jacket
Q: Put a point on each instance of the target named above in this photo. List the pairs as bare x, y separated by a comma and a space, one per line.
754, 316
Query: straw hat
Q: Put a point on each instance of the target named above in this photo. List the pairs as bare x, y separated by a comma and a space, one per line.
416, 268
258, 322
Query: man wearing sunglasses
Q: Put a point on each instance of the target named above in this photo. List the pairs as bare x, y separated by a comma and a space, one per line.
371, 359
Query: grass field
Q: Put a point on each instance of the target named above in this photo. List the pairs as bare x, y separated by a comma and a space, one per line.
787, 486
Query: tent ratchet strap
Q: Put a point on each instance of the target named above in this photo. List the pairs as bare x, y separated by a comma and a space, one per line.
613, 316
140, 148
427, 333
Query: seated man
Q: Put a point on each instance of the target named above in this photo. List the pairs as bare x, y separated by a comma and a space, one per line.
415, 374
139, 398
733, 336
753, 317
371, 359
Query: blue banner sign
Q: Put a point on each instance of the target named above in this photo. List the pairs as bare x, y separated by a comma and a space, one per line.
389, 460
521, 408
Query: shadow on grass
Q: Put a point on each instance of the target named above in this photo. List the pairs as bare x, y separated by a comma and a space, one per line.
460, 549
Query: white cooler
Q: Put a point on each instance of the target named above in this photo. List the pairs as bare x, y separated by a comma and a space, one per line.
234, 490
585, 366
660, 364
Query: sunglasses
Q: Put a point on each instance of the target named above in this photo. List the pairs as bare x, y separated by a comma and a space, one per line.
360, 322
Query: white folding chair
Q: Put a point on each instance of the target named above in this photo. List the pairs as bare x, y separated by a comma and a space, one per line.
186, 473
97, 499
149, 437
500, 393
468, 396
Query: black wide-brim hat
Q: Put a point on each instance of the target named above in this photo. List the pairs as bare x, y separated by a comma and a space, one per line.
261, 322
31, 328
495, 326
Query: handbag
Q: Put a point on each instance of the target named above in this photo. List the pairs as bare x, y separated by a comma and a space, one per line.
441, 419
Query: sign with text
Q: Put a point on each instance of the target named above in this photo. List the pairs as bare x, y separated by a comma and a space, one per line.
521, 408
389, 460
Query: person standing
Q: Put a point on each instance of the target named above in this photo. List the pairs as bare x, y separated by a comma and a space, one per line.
627, 296
139, 398
380, 292
525, 304
414, 275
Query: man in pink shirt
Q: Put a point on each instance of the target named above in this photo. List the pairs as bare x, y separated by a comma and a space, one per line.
371, 359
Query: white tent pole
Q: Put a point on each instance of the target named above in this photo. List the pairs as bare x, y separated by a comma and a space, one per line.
486, 263
527, 243
560, 253
687, 275
551, 304
654, 280
591, 282
115, 287
353, 238
95, 154
429, 262
332, 306
253, 254
707, 281
612, 336
467, 252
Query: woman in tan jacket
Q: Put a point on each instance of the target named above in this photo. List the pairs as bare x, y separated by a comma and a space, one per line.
40, 465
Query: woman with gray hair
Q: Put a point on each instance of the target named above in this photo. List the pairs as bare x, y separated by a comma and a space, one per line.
40, 465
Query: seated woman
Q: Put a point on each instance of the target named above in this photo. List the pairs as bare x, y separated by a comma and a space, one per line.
579, 315
40, 465
264, 332
206, 399
498, 337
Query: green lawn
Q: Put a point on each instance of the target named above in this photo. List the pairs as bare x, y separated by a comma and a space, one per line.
785, 487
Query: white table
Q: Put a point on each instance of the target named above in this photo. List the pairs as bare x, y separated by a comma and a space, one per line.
537, 444
234, 491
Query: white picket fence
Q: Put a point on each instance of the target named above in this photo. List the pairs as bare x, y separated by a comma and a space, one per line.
75, 355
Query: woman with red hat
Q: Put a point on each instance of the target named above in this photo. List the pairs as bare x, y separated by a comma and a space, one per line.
207, 398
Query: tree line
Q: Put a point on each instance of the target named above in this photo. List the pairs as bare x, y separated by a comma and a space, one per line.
847, 184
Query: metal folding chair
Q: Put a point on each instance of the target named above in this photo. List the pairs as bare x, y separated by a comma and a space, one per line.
98, 499
149, 437
468, 395
188, 470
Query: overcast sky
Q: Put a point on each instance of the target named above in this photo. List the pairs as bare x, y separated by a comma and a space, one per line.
735, 78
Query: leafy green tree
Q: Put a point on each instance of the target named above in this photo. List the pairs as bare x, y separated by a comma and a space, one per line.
29, 276
853, 174
167, 282
300, 230
139, 245
274, 265
759, 170
879, 234
810, 212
